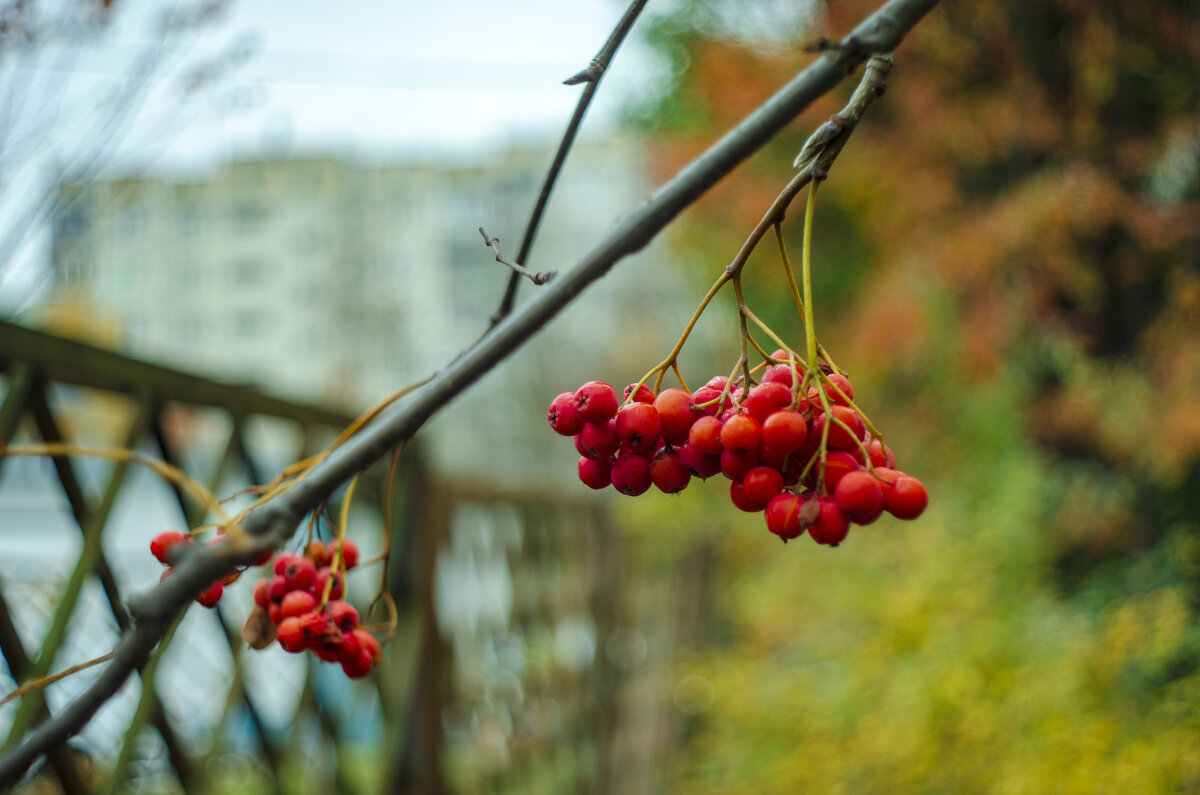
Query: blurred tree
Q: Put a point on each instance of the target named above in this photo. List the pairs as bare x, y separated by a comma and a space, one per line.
1010, 251
75, 96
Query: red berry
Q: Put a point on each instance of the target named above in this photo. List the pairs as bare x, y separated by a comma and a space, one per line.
563, 416
763, 483
277, 589
881, 454
349, 552
838, 464
858, 494
631, 474
907, 498
675, 414
161, 543
705, 402
319, 553
299, 573
644, 394
705, 436
289, 635
766, 398
741, 434
323, 575
596, 401
831, 525
358, 666
595, 474
367, 642
839, 438
668, 473
718, 382
637, 427
211, 595
783, 516
781, 374
343, 615
314, 627
274, 613
700, 465
600, 440
261, 595
736, 466
739, 497
297, 603
283, 561
836, 382
785, 431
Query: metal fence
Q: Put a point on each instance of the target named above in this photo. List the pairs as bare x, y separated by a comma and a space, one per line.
531, 653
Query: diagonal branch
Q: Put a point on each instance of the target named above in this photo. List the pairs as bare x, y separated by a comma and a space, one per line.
591, 76
277, 520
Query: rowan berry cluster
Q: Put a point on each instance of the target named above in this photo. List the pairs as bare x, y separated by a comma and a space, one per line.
806, 460
303, 600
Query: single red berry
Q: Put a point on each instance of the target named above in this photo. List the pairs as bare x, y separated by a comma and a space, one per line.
718, 382
314, 627
644, 394
358, 666
743, 502
668, 473
741, 434
299, 573
858, 495
261, 596
275, 613
289, 635
637, 427
349, 552
831, 525
323, 575
283, 561
211, 595
736, 466
277, 589
907, 498
319, 553
781, 374
705, 401
595, 474
343, 615
785, 431
839, 437
675, 414
367, 642
763, 483
700, 465
881, 454
564, 416
631, 474
600, 440
163, 542
838, 463
705, 436
767, 398
297, 603
783, 516
596, 401
839, 382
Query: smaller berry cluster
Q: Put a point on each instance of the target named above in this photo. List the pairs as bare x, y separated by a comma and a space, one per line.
161, 546
806, 460
303, 600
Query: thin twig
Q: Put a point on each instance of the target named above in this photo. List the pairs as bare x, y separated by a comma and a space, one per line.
592, 75
274, 522
49, 680
517, 268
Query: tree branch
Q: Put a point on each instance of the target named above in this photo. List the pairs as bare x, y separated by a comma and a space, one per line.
517, 269
272, 524
591, 76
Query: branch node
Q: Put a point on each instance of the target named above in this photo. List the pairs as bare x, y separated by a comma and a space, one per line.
538, 278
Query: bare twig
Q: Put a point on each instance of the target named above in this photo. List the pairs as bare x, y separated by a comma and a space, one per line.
591, 76
275, 521
536, 278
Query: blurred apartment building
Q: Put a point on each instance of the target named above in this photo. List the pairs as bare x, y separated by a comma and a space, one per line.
336, 281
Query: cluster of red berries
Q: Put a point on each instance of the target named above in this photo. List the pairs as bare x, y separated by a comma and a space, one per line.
767, 440
161, 546
303, 600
